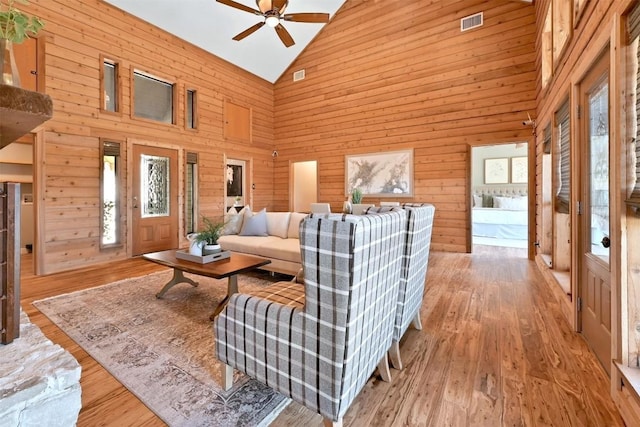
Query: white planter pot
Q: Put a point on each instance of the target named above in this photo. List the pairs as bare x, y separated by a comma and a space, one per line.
195, 247
211, 249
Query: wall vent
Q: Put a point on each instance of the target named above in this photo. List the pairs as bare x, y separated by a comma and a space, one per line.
471, 21
298, 75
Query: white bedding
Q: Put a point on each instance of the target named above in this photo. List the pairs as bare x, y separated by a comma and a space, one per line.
499, 223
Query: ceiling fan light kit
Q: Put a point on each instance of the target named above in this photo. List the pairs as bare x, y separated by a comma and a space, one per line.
273, 12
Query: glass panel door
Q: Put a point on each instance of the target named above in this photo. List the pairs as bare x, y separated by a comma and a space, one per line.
598, 208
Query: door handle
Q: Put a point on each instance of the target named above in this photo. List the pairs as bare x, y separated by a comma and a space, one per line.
135, 202
606, 242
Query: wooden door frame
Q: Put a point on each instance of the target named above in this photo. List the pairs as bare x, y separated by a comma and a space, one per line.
612, 37
180, 173
531, 191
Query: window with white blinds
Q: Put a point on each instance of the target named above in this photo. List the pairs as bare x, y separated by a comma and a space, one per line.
563, 159
633, 25
152, 98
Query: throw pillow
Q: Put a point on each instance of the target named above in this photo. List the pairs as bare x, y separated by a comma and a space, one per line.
233, 221
254, 225
477, 201
278, 223
487, 201
294, 225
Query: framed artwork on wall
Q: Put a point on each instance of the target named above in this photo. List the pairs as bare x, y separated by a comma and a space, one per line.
234, 180
496, 171
386, 174
519, 170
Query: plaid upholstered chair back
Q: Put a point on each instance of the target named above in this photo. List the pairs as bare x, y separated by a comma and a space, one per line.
319, 343
352, 268
414, 264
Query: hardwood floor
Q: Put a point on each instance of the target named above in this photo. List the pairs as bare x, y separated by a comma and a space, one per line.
494, 351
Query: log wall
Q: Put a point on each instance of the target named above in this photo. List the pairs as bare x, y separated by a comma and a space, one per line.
382, 78
76, 34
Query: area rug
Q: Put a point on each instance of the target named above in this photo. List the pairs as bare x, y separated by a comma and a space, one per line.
162, 350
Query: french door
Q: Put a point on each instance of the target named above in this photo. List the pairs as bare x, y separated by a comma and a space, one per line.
595, 230
154, 199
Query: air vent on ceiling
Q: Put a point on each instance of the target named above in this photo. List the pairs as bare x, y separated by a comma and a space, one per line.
471, 21
298, 75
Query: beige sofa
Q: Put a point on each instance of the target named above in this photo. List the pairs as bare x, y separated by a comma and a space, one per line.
279, 242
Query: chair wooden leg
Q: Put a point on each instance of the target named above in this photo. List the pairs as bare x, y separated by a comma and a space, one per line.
417, 323
327, 422
394, 355
383, 369
227, 377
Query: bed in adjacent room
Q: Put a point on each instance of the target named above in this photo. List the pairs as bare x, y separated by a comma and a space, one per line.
500, 214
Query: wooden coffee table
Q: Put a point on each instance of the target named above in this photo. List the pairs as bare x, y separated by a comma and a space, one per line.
229, 268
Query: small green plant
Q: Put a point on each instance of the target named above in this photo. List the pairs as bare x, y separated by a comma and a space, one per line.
15, 25
211, 232
356, 196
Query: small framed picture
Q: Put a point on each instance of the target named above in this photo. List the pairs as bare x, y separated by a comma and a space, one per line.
519, 170
496, 171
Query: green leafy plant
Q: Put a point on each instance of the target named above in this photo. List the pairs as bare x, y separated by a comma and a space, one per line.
211, 232
356, 196
15, 25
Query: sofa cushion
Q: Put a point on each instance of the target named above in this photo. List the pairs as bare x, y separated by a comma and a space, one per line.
233, 221
294, 225
268, 247
254, 224
278, 224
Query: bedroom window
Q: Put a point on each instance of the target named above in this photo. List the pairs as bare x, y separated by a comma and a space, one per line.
191, 192
110, 191
153, 98
563, 159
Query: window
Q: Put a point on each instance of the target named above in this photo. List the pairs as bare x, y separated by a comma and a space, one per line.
191, 191
110, 194
191, 118
109, 91
563, 158
153, 98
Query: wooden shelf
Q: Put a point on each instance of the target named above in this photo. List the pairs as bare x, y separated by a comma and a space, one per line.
21, 111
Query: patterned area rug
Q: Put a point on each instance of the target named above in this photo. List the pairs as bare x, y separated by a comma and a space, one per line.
162, 350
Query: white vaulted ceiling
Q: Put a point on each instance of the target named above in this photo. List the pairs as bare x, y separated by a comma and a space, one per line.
211, 26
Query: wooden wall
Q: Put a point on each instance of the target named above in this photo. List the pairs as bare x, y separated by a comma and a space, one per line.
382, 78
77, 32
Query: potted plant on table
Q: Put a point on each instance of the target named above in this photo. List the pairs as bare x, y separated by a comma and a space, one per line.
356, 201
209, 236
15, 27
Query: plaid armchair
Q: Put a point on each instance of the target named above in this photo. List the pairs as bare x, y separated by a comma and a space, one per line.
415, 260
319, 343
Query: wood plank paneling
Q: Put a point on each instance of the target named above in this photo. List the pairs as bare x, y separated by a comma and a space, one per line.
409, 79
77, 34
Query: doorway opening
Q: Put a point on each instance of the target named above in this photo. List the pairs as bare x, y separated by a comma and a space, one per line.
304, 185
499, 182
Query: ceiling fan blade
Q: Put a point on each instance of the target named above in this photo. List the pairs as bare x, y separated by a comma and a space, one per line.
248, 31
239, 6
307, 17
284, 36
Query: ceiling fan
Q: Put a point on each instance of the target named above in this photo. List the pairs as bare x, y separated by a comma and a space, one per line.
273, 13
